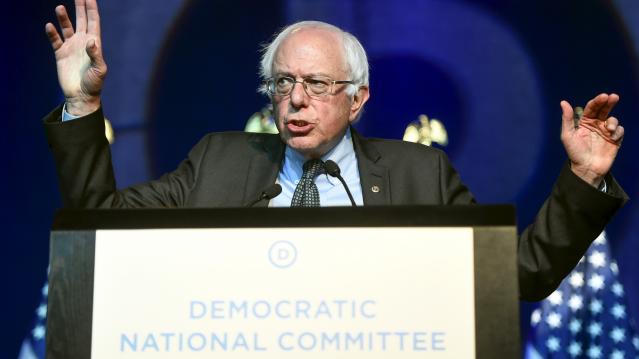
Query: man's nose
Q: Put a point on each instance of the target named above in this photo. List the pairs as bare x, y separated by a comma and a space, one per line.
299, 97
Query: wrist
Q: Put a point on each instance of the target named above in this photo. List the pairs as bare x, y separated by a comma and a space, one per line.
592, 178
82, 106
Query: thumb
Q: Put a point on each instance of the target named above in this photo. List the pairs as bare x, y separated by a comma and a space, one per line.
95, 55
567, 117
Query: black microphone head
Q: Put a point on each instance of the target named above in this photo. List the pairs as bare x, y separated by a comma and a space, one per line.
332, 168
272, 191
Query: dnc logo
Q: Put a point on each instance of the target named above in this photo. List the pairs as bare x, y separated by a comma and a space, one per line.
282, 254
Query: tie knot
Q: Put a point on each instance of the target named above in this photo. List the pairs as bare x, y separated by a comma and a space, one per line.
312, 168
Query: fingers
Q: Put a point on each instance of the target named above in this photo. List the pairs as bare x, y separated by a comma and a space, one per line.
612, 123
80, 16
600, 106
65, 23
93, 17
97, 61
617, 136
54, 37
604, 111
592, 107
608, 130
615, 130
567, 113
93, 51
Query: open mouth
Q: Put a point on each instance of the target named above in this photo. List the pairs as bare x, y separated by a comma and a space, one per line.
299, 123
299, 127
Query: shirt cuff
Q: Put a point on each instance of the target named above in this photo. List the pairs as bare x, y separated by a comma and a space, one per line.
67, 116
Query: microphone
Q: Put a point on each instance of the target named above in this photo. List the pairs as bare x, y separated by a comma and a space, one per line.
333, 170
269, 193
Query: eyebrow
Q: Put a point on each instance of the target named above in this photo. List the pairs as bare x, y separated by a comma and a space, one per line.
288, 74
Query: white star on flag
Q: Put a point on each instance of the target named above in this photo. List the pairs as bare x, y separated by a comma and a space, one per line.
618, 311
594, 352
618, 334
575, 326
42, 311
553, 320
553, 344
596, 282
577, 279
574, 349
601, 239
597, 259
595, 306
38, 332
614, 268
594, 329
617, 288
535, 317
575, 302
555, 298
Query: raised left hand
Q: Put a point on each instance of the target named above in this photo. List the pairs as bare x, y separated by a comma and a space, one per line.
593, 144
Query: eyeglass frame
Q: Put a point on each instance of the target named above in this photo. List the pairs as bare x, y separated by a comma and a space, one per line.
305, 85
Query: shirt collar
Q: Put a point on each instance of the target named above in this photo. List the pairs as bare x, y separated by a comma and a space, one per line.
293, 160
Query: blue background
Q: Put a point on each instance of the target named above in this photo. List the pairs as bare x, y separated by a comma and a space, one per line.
493, 71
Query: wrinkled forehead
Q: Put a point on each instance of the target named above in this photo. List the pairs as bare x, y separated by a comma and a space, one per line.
311, 50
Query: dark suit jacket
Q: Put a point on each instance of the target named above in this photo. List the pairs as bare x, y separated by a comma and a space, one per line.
231, 169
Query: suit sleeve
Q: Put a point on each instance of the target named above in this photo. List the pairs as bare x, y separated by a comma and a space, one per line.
85, 173
452, 189
571, 218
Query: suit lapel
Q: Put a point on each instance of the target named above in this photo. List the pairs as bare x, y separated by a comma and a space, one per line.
265, 164
374, 178
263, 167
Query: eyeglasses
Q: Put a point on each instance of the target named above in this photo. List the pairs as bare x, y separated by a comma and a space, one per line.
315, 86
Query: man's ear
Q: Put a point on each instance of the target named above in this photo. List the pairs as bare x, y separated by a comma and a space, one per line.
359, 99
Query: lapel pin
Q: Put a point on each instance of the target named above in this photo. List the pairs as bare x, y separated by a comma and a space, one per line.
375, 189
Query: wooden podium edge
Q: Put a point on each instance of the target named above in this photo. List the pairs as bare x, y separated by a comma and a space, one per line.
496, 332
370, 216
72, 270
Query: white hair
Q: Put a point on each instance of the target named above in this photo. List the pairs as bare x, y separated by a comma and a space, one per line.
354, 53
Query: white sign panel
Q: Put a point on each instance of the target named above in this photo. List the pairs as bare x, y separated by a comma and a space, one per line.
284, 293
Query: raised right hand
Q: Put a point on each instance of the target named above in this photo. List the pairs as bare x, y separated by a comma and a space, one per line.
81, 67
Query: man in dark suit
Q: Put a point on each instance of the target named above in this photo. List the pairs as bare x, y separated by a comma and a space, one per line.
316, 76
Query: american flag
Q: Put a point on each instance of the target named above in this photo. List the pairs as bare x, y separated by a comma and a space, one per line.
33, 346
587, 316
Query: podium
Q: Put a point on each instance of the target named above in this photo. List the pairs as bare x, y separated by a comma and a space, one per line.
369, 282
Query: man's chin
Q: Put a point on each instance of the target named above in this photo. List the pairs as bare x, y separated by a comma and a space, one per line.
308, 147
